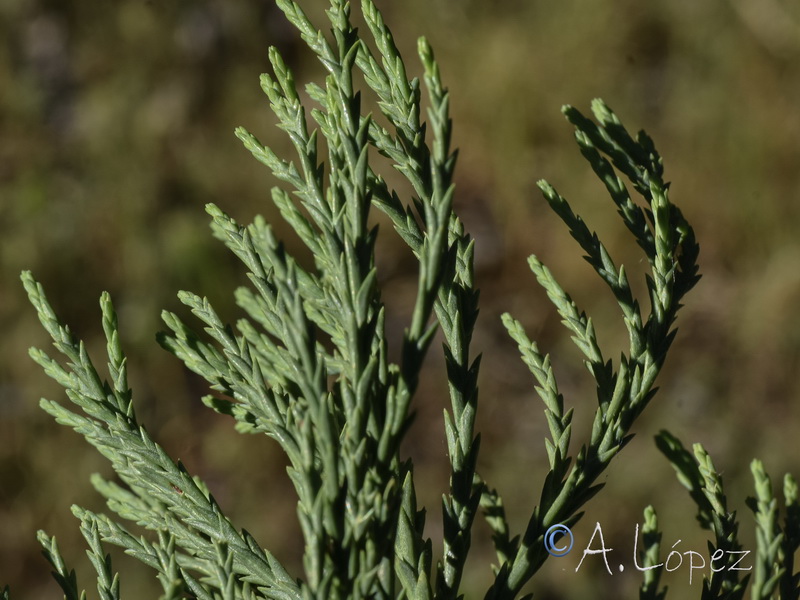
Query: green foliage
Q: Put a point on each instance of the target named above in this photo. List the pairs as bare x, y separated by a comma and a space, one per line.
776, 544
651, 545
671, 251
704, 483
308, 366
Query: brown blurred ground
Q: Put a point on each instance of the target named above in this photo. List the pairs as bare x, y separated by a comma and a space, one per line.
116, 128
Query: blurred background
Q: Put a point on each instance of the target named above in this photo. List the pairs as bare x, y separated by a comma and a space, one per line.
116, 127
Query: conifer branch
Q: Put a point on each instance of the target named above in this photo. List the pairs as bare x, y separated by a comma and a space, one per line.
704, 483
169, 499
668, 243
651, 546
308, 363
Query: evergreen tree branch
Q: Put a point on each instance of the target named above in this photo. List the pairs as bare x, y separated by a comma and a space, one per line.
669, 246
768, 569
704, 483
308, 366
651, 546
107, 580
66, 580
330, 434
171, 499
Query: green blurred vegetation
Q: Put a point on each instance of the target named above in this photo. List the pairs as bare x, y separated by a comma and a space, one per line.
116, 125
